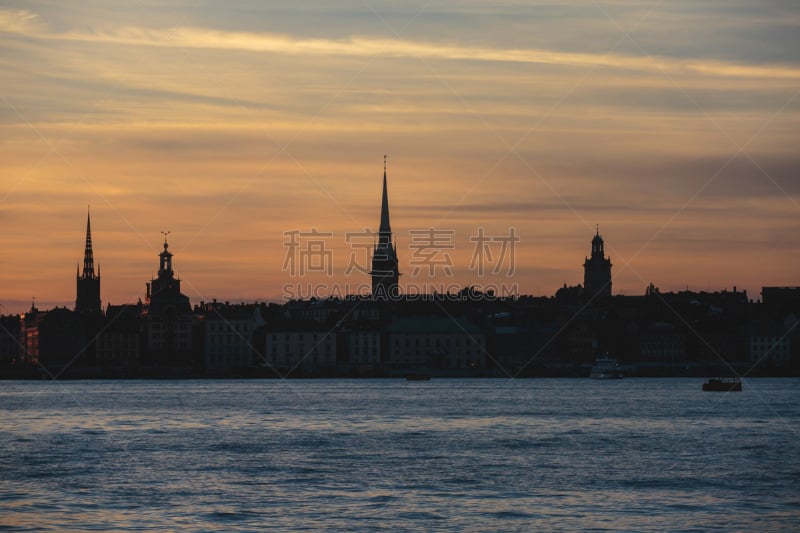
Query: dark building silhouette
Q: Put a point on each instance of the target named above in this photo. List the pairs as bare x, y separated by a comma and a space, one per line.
168, 317
54, 337
597, 271
784, 299
118, 343
12, 346
87, 300
228, 332
297, 345
434, 342
384, 258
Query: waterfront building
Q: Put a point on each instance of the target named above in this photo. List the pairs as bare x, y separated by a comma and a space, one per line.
582, 345
781, 299
326, 310
167, 317
296, 345
662, 343
54, 337
770, 339
228, 334
434, 342
12, 347
360, 345
119, 341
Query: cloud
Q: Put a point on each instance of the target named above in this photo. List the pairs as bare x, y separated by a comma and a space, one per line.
231, 126
20, 21
355, 46
191, 37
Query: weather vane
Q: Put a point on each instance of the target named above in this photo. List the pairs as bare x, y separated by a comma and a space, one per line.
384, 162
165, 233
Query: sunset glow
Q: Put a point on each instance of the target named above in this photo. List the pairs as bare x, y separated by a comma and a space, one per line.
674, 126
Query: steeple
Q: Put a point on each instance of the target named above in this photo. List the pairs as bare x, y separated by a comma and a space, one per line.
165, 263
385, 231
88, 256
87, 300
166, 276
597, 244
384, 258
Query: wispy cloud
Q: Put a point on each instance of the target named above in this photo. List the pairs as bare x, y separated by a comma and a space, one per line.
20, 21
368, 47
29, 24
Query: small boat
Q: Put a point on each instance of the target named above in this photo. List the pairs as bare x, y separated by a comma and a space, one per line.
606, 368
723, 384
418, 377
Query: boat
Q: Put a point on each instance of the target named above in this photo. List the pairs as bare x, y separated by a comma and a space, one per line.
418, 377
723, 384
606, 368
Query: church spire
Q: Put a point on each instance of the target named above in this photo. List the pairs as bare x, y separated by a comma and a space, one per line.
385, 231
88, 256
384, 258
87, 299
165, 264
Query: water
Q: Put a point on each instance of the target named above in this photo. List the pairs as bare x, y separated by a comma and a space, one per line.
490, 454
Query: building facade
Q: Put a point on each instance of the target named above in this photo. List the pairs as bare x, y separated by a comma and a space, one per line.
434, 343
119, 341
300, 346
765, 348
228, 334
12, 347
662, 343
360, 345
54, 337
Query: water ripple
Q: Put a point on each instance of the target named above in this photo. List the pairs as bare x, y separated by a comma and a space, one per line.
458, 455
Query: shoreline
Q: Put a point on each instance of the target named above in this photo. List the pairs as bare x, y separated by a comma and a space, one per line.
9, 373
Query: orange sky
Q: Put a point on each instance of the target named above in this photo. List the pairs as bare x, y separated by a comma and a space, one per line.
674, 127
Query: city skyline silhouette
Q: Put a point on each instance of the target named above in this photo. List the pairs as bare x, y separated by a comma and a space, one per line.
400, 265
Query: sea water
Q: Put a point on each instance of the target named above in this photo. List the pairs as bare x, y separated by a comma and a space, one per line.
478, 454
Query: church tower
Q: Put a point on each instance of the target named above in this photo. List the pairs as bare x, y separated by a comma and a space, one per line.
166, 276
167, 317
87, 301
384, 258
597, 271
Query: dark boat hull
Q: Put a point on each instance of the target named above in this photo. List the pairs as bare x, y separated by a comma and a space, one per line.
718, 385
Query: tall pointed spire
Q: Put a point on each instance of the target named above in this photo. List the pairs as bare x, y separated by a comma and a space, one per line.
87, 299
385, 231
384, 258
88, 256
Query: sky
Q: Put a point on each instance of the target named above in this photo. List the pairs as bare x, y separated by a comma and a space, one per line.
241, 127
